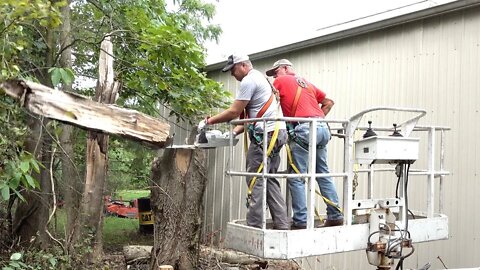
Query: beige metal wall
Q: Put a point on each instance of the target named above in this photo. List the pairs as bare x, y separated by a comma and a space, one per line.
431, 64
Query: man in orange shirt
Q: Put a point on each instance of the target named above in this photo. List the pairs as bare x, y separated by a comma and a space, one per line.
300, 98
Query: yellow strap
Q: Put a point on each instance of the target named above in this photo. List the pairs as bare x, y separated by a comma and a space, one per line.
327, 201
318, 215
269, 150
290, 159
272, 141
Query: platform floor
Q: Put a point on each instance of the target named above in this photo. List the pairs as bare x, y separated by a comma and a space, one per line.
289, 244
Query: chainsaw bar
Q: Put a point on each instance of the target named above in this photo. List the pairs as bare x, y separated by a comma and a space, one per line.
214, 139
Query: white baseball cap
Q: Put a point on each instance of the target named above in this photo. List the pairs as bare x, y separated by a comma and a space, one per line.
234, 59
281, 62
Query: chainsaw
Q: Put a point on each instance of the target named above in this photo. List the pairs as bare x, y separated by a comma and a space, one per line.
207, 139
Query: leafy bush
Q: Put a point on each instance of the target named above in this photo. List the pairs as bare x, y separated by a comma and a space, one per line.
17, 173
16, 165
35, 260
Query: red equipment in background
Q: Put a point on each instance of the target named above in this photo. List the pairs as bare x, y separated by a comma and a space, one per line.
121, 208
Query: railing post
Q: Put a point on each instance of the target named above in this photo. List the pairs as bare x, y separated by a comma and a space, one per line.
230, 176
370, 181
312, 154
431, 172
264, 171
348, 168
442, 167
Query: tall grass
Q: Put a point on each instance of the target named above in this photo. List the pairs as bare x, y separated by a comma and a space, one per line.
119, 232
128, 195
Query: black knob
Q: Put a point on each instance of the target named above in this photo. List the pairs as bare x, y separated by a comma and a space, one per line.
369, 132
395, 131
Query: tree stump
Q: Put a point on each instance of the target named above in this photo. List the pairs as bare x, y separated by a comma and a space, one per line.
179, 180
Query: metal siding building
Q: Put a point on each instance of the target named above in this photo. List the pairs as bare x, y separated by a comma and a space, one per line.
428, 59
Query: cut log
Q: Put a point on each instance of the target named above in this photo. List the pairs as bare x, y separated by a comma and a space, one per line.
85, 113
229, 256
223, 256
132, 253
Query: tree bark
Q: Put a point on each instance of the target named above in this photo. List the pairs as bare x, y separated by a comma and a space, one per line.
179, 178
70, 177
72, 181
31, 215
90, 227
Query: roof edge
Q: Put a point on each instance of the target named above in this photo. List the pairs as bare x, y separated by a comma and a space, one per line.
359, 30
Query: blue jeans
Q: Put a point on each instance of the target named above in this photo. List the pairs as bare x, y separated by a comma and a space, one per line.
300, 159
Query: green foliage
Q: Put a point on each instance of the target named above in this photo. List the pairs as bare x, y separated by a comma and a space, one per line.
16, 165
129, 165
12, 129
22, 35
159, 60
22, 54
15, 262
117, 232
128, 195
59, 75
36, 260
17, 173
158, 53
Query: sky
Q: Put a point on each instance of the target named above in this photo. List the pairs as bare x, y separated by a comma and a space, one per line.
251, 26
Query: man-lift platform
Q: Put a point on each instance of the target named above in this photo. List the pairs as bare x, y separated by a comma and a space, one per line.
383, 226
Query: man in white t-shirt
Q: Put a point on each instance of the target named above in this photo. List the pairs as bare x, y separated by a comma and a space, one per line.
255, 95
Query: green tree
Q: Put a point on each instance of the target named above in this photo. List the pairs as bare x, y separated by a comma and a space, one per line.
158, 53
158, 56
159, 61
129, 166
25, 53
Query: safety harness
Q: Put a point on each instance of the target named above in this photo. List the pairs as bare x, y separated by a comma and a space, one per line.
250, 127
291, 126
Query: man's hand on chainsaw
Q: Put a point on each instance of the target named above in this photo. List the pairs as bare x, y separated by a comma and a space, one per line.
202, 125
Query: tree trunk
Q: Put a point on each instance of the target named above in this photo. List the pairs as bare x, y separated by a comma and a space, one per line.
70, 177
92, 203
72, 181
179, 178
31, 215
90, 228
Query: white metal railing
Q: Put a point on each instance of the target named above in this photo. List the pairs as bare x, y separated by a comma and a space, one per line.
311, 166
348, 128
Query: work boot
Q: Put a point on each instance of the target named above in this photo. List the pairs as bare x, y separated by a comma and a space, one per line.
334, 222
298, 227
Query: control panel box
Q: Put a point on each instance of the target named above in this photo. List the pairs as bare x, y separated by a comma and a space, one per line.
386, 149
